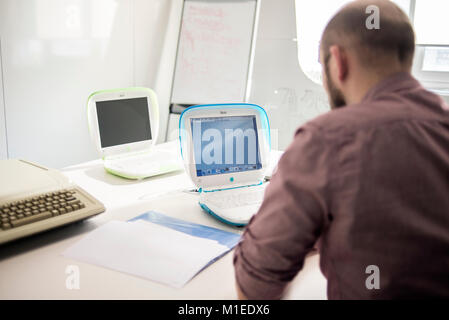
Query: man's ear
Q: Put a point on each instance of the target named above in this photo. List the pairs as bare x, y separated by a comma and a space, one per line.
340, 60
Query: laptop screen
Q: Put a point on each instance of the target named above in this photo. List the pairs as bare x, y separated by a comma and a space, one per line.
123, 121
225, 144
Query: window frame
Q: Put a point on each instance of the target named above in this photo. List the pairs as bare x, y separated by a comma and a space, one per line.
437, 81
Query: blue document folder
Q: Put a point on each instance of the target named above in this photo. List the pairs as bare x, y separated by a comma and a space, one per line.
225, 238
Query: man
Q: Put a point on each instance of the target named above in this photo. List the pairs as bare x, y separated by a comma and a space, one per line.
369, 180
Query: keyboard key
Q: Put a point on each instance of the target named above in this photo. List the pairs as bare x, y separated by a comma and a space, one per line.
73, 202
27, 220
6, 226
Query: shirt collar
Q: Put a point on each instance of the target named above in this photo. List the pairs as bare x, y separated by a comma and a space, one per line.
393, 83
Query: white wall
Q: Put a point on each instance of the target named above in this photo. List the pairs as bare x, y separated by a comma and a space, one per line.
3, 145
56, 52
165, 74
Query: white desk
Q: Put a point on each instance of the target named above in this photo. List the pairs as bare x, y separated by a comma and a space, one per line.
33, 268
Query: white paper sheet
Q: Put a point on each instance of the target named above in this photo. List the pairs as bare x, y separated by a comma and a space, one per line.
147, 250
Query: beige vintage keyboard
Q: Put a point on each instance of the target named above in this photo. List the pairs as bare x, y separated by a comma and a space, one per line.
45, 211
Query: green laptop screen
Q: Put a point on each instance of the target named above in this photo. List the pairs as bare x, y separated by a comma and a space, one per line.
123, 121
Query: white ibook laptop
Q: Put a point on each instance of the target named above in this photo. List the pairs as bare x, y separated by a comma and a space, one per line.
124, 125
226, 149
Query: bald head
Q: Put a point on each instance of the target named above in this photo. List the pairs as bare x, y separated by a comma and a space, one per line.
392, 42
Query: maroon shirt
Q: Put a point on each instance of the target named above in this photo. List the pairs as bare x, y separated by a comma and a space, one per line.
371, 181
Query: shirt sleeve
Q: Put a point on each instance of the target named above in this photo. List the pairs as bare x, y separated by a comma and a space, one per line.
290, 219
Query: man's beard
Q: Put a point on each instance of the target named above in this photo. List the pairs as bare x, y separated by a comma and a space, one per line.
336, 98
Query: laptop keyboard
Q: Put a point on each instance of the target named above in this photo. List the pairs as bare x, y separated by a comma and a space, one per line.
241, 197
144, 162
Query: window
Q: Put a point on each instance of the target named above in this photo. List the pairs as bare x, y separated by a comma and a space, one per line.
431, 63
430, 21
311, 19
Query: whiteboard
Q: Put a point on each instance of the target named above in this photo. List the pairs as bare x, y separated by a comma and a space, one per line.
214, 51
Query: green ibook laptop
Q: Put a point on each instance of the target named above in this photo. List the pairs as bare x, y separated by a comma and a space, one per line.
124, 125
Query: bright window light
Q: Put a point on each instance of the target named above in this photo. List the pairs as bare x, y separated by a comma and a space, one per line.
431, 22
311, 19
